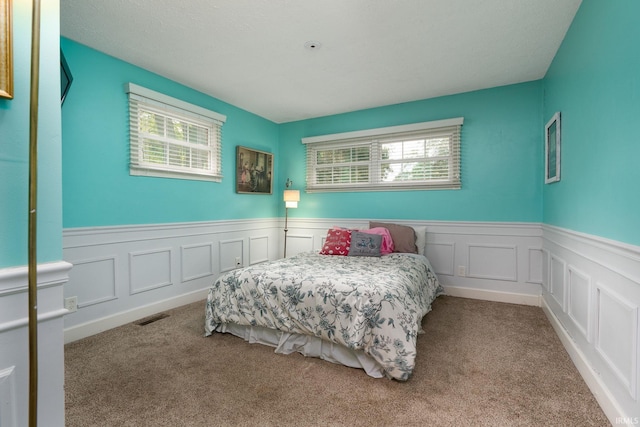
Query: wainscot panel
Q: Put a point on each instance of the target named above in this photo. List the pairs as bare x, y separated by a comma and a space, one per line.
589, 287
197, 261
258, 249
472, 259
149, 270
14, 342
100, 275
126, 273
591, 294
8, 398
230, 254
299, 242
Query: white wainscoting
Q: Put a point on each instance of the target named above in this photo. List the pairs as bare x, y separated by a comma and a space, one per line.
591, 294
8, 397
121, 274
589, 287
14, 344
491, 261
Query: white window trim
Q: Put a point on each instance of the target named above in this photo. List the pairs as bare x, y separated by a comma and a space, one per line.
384, 131
162, 102
371, 135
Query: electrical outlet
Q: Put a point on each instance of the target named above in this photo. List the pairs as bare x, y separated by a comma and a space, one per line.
71, 304
238, 262
462, 271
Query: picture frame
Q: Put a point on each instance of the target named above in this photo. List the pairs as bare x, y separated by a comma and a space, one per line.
552, 149
66, 78
6, 49
254, 171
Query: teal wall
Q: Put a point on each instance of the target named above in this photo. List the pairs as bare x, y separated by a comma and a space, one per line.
14, 143
501, 149
98, 190
594, 81
501, 159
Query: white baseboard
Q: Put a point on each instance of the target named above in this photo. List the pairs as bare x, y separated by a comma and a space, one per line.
606, 400
489, 295
87, 329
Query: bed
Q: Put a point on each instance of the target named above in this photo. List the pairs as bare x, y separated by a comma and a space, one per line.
359, 311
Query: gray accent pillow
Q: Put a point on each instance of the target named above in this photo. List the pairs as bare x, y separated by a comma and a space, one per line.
365, 244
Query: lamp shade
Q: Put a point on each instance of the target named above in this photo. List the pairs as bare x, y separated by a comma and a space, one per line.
291, 198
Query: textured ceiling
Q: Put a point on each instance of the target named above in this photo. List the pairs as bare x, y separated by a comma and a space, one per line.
251, 53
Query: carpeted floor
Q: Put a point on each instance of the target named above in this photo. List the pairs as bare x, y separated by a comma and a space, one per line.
479, 363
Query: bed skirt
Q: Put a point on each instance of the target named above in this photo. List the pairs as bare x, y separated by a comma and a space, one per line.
307, 345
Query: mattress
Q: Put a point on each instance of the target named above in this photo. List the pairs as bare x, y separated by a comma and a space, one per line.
368, 309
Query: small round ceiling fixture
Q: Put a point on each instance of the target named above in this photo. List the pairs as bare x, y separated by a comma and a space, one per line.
312, 45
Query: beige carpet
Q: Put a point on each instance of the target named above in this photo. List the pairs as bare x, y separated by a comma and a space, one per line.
479, 364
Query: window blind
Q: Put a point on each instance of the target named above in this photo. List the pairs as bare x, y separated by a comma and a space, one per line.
409, 157
171, 138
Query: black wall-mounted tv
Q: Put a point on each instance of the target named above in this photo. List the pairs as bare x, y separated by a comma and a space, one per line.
65, 78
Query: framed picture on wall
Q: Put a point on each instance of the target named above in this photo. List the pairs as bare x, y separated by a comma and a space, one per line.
65, 78
552, 145
254, 171
6, 50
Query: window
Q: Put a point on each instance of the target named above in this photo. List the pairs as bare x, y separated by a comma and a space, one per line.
172, 138
417, 156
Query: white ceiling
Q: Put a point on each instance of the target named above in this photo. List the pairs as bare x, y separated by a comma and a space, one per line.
251, 53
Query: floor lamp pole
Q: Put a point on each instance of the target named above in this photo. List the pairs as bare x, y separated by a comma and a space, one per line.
286, 218
32, 235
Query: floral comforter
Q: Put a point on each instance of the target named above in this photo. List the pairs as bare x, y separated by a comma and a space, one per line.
373, 304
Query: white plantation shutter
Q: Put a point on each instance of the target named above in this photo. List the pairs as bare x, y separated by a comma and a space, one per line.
408, 157
172, 138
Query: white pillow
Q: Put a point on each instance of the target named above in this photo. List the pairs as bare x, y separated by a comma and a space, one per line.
421, 238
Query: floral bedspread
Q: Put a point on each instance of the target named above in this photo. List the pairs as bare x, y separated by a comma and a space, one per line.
374, 304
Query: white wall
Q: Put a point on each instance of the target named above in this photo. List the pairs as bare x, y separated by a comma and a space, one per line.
14, 345
491, 261
591, 294
122, 274
588, 287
